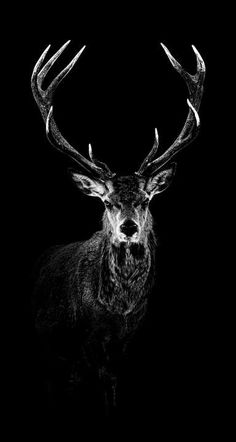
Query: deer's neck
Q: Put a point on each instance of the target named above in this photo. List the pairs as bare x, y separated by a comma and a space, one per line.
126, 274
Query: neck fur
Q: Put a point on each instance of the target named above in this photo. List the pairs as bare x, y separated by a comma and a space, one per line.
126, 272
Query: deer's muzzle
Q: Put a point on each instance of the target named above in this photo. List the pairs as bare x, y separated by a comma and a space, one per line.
129, 227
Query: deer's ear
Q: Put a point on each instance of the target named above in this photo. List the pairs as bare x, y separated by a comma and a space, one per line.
88, 185
161, 181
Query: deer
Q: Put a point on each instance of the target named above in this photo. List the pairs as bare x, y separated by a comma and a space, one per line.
94, 293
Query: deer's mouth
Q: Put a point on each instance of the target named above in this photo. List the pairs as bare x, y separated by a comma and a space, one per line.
129, 239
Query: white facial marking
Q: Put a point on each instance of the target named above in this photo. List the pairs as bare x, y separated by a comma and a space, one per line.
116, 220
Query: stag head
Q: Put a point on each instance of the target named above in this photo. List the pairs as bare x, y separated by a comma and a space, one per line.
126, 198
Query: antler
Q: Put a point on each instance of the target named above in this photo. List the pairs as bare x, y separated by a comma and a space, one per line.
44, 99
191, 127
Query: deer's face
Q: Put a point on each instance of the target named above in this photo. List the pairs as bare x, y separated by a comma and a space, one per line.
126, 201
126, 209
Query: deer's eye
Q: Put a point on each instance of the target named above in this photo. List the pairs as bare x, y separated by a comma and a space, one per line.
113, 205
144, 203
108, 204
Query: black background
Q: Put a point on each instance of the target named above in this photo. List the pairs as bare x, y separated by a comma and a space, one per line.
123, 87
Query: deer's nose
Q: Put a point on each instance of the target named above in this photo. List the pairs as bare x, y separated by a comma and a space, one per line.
129, 227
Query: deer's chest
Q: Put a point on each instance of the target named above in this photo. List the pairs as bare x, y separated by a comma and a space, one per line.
130, 274
124, 280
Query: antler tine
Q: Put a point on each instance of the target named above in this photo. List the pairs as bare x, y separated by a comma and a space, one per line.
151, 154
44, 100
192, 124
194, 82
97, 162
37, 91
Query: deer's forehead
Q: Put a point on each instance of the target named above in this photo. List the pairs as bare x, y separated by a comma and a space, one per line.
126, 189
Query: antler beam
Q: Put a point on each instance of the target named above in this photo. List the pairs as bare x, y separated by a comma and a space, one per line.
44, 100
191, 127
